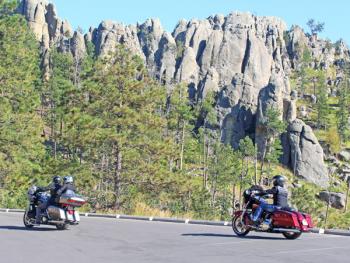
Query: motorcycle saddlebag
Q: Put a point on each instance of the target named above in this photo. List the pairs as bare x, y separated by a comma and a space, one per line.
56, 213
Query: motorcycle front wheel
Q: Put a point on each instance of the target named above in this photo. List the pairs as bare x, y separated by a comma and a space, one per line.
27, 220
239, 227
291, 235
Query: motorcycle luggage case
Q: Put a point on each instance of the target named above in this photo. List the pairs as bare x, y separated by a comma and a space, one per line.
56, 213
74, 201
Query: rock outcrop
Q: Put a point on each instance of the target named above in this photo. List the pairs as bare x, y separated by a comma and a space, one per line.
304, 154
42, 17
276, 95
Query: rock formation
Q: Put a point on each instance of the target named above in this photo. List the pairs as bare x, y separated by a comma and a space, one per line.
303, 153
246, 59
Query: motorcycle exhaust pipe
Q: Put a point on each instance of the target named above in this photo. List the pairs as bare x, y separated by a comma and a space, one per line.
286, 230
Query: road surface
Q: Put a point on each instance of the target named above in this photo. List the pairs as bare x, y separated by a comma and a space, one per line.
123, 241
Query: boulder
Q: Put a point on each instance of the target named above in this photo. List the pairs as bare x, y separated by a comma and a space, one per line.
336, 200
303, 113
344, 155
303, 153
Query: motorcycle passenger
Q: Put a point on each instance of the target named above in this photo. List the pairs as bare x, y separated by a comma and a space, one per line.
53, 188
68, 186
280, 199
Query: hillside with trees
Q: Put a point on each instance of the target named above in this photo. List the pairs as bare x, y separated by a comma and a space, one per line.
151, 123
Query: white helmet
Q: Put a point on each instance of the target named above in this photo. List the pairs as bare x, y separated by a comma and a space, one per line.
68, 179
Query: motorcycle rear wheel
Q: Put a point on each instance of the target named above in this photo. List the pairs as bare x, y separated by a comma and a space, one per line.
26, 220
291, 235
62, 227
239, 227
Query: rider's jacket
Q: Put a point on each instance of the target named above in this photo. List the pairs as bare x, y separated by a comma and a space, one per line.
280, 196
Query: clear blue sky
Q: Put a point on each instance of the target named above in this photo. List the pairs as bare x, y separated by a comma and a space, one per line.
85, 13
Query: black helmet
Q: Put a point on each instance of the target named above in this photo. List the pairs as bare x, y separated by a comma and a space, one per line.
279, 180
56, 179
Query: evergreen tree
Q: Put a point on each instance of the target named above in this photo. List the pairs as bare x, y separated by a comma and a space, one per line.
124, 125
21, 150
208, 118
322, 101
58, 96
180, 114
315, 27
223, 174
273, 126
246, 152
343, 111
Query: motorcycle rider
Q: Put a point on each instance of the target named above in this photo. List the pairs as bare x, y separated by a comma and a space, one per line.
68, 186
53, 188
280, 199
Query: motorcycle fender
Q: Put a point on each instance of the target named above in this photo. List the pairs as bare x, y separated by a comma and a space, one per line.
76, 216
62, 215
238, 213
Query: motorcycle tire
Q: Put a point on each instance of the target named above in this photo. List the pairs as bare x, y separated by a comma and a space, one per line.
238, 228
291, 235
26, 220
62, 227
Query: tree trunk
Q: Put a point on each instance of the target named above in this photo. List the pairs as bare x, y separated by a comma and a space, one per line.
233, 197
240, 185
182, 145
117, 176
204, 159
347, 197
206, 166
262, 166
256, 167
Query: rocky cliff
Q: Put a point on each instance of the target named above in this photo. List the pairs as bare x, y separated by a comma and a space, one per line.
244, 58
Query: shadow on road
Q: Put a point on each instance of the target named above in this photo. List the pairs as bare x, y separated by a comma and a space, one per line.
234, 236
22, 228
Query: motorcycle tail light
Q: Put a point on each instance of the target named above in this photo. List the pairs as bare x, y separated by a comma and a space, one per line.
71, 212
304, 222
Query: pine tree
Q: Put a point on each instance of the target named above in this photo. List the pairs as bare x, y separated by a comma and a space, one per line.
180, 114
273, 127
343, 111
322, 101
124, 125
58, 96
21, 149
223, 174
246, 152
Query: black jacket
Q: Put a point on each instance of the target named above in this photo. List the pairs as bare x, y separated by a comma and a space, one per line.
280, 196
53, 188
64, 188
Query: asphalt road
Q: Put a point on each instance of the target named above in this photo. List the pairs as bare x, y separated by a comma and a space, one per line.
111, 240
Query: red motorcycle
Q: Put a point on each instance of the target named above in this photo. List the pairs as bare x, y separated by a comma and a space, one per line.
289, 223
